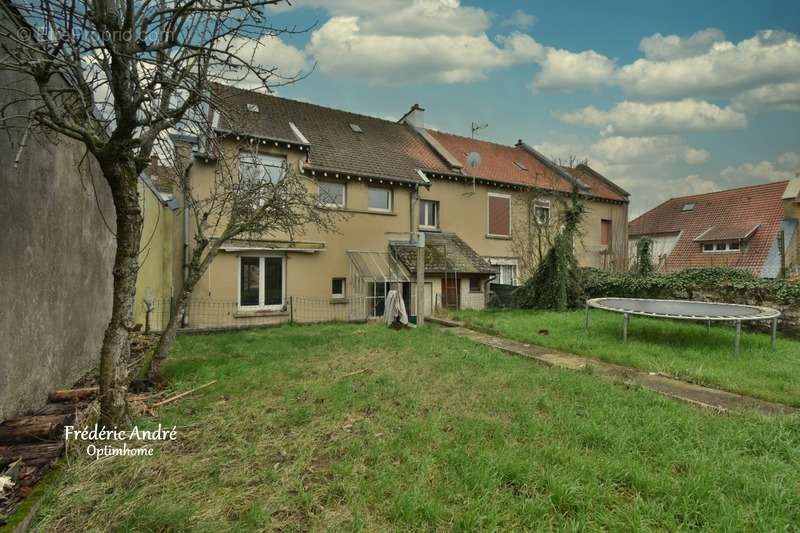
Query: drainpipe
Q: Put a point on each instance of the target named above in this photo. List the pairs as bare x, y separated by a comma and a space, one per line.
186, 230
420, 240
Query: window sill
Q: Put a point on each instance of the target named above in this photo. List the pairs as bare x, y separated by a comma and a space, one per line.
430, 229
260, 313
498, 237
360, 211
335, 301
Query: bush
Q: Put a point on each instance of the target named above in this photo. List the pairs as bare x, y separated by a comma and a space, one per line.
733, 283
556, 284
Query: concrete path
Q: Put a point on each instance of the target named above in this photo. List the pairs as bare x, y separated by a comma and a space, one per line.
718, 400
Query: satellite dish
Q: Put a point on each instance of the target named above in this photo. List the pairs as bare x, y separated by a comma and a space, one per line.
474, 159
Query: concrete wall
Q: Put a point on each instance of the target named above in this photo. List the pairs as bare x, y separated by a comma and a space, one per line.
55, 266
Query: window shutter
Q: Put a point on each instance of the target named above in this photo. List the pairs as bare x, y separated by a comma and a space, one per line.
499, 210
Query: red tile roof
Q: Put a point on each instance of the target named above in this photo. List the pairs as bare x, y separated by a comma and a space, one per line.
599, 185
390, 149
498, 162
725, 213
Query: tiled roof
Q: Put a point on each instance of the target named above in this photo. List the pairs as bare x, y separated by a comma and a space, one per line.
599, 185
444, 252
730, 211
387, 149
383, 149
498, 162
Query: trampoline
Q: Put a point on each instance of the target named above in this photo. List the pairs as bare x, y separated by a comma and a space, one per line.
707, 312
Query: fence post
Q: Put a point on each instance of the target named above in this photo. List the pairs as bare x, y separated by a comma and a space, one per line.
291, 309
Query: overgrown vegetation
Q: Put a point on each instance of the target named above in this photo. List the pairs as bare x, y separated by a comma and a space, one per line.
644, 256
556, 284
687, 351
731, 283
438, 433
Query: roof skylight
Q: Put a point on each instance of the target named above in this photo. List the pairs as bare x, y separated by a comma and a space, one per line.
253, 108
521, 166
688, 207
356, 128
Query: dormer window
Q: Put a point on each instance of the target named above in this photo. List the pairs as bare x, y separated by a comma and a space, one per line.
253, 108
356, 128
715, 247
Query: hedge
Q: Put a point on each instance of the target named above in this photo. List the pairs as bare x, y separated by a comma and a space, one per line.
734, 283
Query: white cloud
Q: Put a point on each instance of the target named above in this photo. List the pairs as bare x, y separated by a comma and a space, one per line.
271, 52
659, 47
564, 70
645, 150
777, 97
342, 48
726, 68
520, 19
637, 118
784, 167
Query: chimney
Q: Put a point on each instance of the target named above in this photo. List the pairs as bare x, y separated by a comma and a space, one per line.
415, 116
519, 143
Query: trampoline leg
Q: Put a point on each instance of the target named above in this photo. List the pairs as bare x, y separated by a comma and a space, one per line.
708, 325
586, 325
625, 328
774, 331
738, 336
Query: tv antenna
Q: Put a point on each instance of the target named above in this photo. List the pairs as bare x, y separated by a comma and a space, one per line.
476, 126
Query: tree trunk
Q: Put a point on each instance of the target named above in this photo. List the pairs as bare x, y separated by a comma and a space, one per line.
123, 180
197, 267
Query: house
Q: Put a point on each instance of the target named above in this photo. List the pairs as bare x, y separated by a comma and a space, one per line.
391, 179
741, 228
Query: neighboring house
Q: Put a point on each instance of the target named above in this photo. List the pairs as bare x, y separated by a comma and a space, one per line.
736, 227
159, 245
379, 172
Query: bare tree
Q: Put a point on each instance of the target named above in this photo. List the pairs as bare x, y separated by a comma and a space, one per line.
118, 76
259, 203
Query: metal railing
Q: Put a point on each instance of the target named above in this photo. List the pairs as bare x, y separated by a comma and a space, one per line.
211, 314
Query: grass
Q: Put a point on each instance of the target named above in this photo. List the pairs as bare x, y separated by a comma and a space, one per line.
439, 434
686, 350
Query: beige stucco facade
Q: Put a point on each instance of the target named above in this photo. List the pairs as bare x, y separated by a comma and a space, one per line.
317, 257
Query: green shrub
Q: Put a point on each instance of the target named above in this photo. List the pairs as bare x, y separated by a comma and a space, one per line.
735, 284
556, 284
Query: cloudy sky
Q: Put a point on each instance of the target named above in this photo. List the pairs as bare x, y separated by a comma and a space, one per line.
666, 98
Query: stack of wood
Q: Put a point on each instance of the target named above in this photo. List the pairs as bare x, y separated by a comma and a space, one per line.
30, 445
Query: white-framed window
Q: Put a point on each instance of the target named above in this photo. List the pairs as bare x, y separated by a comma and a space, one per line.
714, 247
338, 288
332, 193
428, 214
261, 167
541, 212
379, 199
499, 223
506, 270
262, 282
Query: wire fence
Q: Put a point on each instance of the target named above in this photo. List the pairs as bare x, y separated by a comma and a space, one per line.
211, 314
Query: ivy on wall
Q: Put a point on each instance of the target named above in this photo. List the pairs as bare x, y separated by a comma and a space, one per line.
736, 284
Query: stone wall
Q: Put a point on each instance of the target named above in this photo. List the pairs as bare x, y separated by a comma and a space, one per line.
56, 255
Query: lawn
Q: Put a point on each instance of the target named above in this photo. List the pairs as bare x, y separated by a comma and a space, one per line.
686, 350
436, 433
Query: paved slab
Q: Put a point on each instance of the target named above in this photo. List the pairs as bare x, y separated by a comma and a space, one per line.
718, 400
